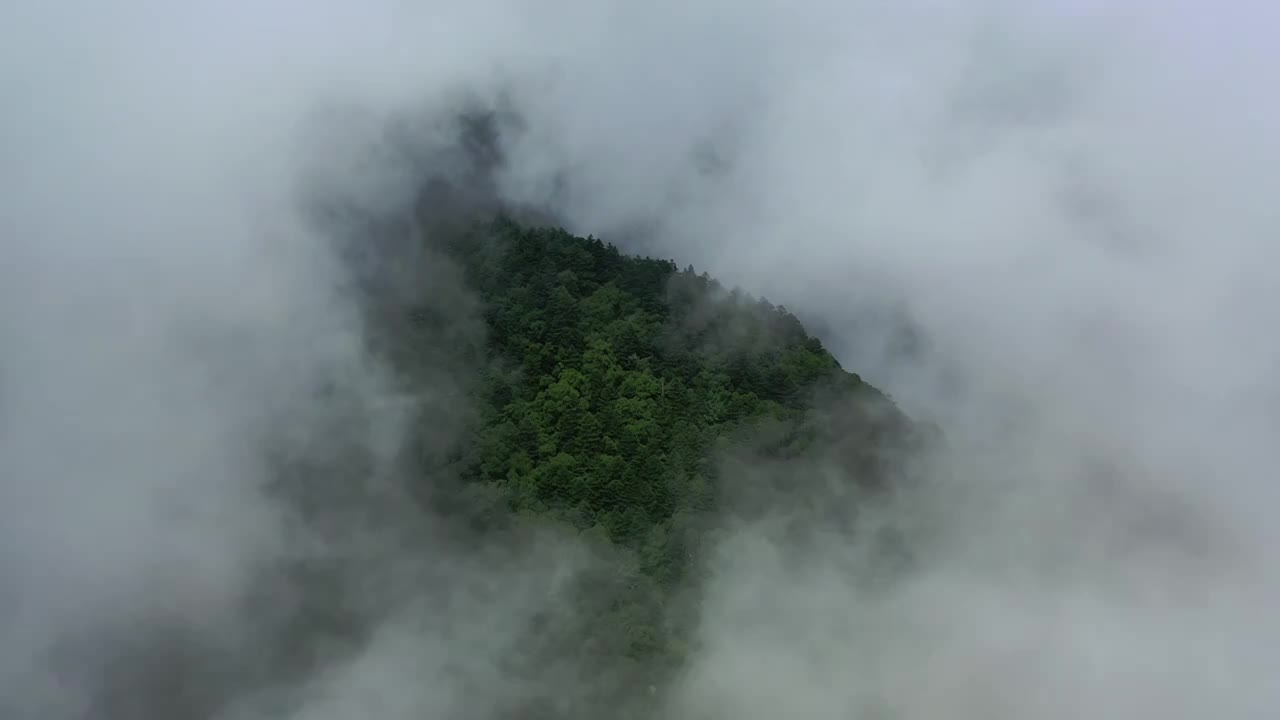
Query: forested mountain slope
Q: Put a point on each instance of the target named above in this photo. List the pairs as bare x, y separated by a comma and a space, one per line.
636, 404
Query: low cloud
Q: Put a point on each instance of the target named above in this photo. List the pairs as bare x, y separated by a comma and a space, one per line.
1066, 208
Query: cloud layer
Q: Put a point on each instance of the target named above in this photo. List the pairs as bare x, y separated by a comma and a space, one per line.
1070, 203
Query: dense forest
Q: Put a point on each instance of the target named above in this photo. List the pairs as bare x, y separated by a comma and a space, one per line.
639, 406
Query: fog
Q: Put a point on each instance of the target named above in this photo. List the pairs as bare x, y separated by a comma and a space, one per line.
1070, 206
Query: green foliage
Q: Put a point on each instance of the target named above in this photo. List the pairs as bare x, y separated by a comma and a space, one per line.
612, 385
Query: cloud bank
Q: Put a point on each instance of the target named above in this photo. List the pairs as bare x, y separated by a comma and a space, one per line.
1069, 203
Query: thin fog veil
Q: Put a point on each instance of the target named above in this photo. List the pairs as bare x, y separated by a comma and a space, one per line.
204, 513
1047, 228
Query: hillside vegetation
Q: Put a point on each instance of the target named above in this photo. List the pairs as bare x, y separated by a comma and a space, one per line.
638, 406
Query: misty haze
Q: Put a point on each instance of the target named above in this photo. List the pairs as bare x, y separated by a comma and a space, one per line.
697, 361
